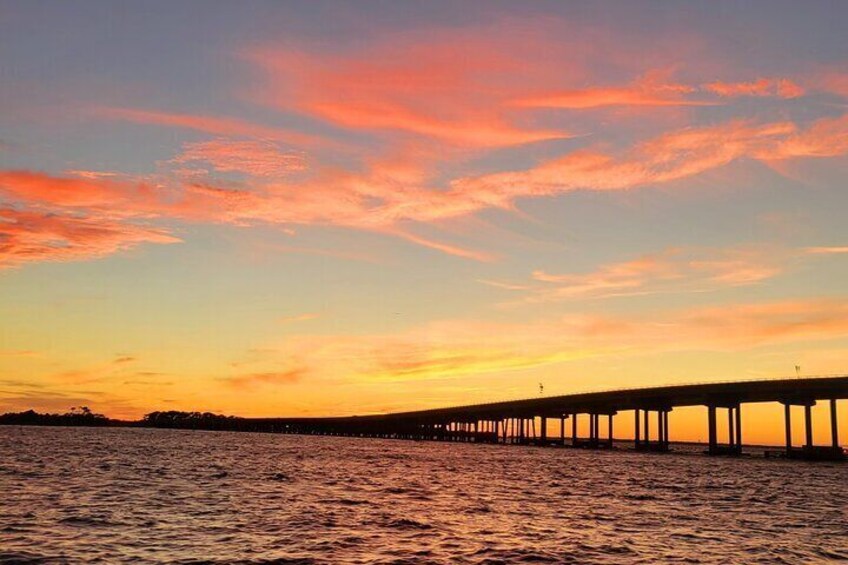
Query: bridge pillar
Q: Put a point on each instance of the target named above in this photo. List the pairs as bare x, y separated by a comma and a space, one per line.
809, 450
543, 430
808, 421
711, 426
593, 434
834, 429
574, 429
562, 429
609, 428
636, 430
787, 417
730, 435
739, 427
647, 428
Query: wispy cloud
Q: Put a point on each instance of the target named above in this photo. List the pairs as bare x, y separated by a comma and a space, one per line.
656, 90
254, 158
216, 125
422, 90
671, 270
464, 348
299, 318
35, 237
833, 250
780, 88
251, 380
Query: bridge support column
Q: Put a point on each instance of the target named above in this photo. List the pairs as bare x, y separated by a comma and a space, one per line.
832, 452
834, 429
636, 430
562, 430
711, 427
543, 430
787, 417
647, 443
808, 421
574, 429
734, 430
593, 430
739, 428
609, 428
730, 435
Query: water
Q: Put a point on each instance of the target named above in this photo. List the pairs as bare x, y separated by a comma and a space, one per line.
136, 496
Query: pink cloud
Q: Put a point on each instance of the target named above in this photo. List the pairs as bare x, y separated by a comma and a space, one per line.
391, 195
254, 158
780, 88
216, 125
672, 270
666, 158
423, 90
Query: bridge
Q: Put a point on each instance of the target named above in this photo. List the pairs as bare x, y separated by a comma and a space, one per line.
515, 422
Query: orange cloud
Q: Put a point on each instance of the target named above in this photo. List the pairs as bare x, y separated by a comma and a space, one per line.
780, 88
84, 193
833, 250
209, 124
270, 378
654, 89
424, 90
464, 348
393, 194
32, 236
254, 158
299, 318
669, 157
651, 90
750, 325
827, 137
672, 270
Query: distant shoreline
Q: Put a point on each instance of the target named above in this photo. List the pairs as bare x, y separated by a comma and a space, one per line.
141, 424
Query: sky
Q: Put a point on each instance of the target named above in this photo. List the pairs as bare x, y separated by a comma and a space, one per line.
329, 208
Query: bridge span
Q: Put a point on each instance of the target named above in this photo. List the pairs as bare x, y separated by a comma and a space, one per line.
515, 422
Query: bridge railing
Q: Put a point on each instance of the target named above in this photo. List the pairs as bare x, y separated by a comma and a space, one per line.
630, 389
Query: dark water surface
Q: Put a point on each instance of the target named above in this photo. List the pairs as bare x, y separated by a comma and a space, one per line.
135, 496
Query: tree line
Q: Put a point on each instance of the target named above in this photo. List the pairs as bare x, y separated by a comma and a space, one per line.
83, 416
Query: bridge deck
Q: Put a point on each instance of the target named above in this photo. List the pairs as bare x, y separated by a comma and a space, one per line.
515, 421
794, 391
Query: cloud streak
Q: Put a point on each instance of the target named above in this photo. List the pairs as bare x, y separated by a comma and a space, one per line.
464, 348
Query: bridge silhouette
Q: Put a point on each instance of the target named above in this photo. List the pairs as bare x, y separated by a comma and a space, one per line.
514, 422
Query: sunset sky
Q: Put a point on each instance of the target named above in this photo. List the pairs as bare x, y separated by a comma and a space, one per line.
324, 208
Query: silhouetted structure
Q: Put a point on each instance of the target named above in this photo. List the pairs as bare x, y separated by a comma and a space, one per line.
515, 422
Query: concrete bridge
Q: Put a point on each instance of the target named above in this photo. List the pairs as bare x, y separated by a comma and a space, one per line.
515, 422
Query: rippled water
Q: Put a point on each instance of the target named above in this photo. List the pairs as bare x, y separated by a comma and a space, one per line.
135, 495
